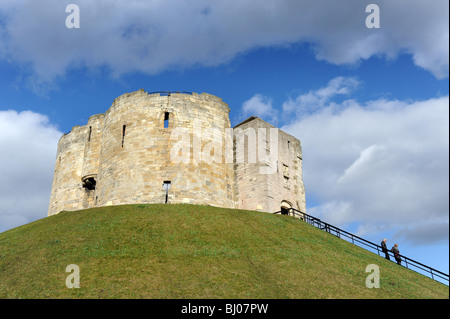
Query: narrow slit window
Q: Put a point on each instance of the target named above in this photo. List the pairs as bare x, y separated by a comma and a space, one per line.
90, 132
166, 187
166, 119
124, 128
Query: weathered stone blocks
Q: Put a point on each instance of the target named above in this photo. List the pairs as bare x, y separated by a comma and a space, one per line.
175, 148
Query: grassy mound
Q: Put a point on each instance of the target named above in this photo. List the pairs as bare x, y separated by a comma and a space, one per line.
189, 251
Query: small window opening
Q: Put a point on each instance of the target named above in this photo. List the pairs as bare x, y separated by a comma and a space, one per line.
123, 134
166, 187
90, 132
89, 183
166, 119
286, 182
289, 144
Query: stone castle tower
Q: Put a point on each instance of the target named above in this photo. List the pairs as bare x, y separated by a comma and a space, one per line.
176, 148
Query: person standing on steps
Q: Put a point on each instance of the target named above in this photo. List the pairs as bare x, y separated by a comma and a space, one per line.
396, 254
385, 249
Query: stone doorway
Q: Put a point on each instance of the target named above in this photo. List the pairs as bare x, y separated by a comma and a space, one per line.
285, 207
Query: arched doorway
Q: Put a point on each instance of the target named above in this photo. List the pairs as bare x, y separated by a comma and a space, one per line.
285, 207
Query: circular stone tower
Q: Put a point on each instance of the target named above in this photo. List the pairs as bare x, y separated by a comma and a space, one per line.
147, 148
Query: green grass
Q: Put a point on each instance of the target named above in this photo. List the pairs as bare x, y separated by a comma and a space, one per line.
188, 251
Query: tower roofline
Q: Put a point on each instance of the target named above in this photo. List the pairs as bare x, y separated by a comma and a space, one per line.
252, 118
255, 118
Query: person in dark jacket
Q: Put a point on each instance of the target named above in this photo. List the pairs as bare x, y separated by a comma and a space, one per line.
385, 249
396, 254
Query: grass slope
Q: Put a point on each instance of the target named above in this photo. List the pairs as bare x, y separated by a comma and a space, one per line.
188, 251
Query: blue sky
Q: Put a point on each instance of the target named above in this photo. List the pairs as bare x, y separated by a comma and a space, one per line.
370, 106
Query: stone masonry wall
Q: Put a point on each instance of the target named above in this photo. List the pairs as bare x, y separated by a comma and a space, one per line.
259, 186
144, 141
128, 152
67, 192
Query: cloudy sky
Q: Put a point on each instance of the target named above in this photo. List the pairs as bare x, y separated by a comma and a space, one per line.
370, 105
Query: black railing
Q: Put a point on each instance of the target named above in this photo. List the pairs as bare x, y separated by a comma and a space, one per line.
370, 246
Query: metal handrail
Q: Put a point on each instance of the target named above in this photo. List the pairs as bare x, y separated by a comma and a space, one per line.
336, 231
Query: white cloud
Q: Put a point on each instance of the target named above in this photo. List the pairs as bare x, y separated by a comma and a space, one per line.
316, 100
28, 148
426, 233
259, 106
382, 163
152, 36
